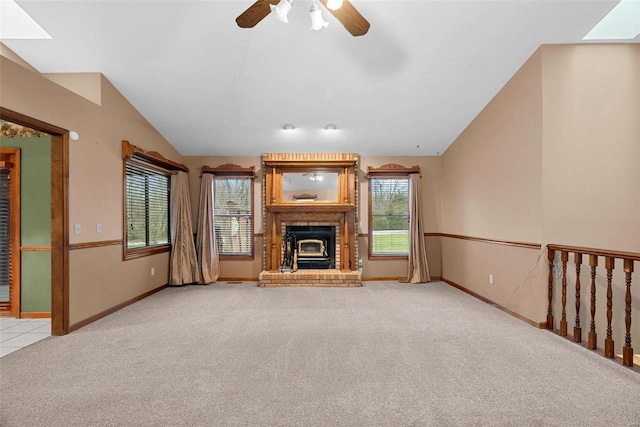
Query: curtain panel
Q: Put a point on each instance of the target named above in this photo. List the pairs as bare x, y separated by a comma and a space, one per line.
208, 258
418, 271
183, 261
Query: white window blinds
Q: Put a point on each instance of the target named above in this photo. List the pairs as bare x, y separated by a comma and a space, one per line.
233, 215
147, 206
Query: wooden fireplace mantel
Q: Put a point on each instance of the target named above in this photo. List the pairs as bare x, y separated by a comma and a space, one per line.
341, 213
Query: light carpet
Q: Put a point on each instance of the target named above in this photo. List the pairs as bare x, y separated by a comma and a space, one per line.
386, 354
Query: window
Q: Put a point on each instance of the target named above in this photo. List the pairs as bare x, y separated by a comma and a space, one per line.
389, 216
146, 209
233, 208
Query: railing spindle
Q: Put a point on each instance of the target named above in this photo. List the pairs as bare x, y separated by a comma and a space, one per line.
551, 254
564, 256
577, 330
593, 337
608, 342
627, 351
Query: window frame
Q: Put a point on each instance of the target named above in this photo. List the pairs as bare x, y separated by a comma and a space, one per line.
388, 171
150, 160
233, 171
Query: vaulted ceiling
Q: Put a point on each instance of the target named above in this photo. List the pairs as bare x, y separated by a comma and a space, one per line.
409, 86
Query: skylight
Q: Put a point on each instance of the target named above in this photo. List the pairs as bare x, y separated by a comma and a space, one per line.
622, 23
15, 23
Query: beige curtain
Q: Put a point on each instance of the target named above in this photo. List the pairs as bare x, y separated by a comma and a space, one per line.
208, 260
418, 268
183, 267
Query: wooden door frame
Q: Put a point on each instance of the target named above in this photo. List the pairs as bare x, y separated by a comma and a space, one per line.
14, 234
59, 216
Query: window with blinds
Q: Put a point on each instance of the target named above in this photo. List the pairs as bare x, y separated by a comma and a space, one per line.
147, 206
233, 209
389, 216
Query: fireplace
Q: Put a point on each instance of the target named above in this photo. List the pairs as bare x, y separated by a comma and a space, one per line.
310, 241
313, 246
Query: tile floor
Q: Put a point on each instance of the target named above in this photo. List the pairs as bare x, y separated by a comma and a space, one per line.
18, 333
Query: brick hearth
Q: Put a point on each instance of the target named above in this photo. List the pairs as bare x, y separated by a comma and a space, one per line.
325, 278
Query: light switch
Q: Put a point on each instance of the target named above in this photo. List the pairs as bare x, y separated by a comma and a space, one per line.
98, 228
77, 229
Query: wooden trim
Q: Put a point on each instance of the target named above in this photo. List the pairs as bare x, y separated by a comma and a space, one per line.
35, 315
15, 271
139, 253
35, 248
598, 252
130, 151
539, 325
98, 244
494, 241
59, 216
388, 257
113, 309
237, 279
231, 169
391, 170
231, 257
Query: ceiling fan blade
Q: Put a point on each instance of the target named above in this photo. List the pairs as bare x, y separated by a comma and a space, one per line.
255, 13
352, 20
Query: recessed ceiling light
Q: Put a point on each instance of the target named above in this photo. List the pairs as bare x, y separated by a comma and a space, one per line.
331, 127
288, 127
15, 23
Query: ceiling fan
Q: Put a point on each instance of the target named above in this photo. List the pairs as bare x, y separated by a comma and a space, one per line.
347, 14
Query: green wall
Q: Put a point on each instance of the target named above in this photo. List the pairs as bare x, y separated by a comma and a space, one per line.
35, 219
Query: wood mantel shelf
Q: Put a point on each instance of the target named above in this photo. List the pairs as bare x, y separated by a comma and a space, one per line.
310, 207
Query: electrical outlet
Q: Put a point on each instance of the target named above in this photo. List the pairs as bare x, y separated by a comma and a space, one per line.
491, 279
153, 271
98, 228
77, 229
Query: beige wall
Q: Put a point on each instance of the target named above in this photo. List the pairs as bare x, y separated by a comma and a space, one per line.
492, 189
98, 278
551, 159
591, 146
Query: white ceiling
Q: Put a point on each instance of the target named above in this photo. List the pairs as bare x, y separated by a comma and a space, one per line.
408, 87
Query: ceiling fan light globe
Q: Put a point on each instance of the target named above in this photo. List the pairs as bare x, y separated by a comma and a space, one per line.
281, 11
317, 21
334, 4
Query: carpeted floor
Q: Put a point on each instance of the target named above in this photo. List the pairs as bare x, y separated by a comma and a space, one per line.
386, 354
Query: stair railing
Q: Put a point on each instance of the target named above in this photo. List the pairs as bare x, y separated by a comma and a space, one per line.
593, 255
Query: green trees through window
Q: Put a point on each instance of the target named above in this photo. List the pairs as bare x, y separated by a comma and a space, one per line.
389, 211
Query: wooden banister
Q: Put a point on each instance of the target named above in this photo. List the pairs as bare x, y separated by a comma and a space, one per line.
610, 257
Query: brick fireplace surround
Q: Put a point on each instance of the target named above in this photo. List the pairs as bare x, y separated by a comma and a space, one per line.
279, 213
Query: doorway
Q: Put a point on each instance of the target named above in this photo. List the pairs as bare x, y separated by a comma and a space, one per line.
59, 216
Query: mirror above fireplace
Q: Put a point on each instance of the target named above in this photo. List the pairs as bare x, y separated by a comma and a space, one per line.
311, 186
